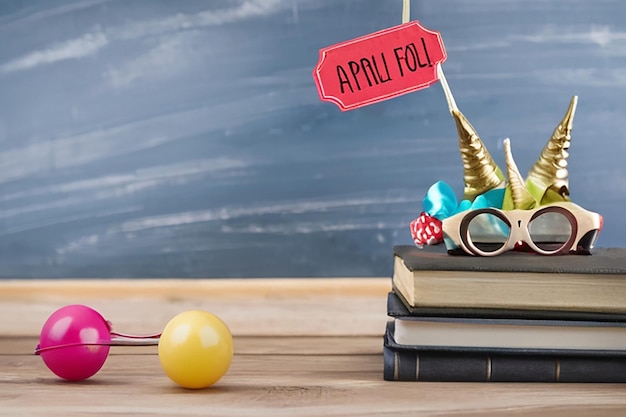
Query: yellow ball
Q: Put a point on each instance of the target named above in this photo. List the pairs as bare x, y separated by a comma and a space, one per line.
195, 349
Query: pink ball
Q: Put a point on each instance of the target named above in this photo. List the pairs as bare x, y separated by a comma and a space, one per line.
74, 342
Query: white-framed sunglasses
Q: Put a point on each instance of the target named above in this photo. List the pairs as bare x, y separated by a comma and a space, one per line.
555, 229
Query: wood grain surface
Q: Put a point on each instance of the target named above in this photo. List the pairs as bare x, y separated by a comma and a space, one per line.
302, 347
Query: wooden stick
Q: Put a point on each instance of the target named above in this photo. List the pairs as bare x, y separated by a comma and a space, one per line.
406, 16
406, 11
446, 89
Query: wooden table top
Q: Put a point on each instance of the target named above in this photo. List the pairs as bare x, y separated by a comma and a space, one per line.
305, 347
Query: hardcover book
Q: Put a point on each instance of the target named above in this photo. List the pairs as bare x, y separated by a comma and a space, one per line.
431, 278
417, 363
538, 335
397, 307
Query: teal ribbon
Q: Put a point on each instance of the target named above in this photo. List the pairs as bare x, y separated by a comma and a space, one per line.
440, 201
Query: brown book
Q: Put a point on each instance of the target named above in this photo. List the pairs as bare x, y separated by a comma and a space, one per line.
431, 278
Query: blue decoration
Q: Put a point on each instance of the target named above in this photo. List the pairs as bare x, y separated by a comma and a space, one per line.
440, 201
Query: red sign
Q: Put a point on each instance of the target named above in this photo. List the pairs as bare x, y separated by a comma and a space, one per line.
379, 66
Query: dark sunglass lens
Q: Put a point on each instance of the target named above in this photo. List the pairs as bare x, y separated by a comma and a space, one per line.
487, 232
550, 230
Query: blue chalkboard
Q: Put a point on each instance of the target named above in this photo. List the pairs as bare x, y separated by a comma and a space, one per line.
187, 139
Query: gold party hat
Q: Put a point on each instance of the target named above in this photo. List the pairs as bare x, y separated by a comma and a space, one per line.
516, 196
480, 172
548, 180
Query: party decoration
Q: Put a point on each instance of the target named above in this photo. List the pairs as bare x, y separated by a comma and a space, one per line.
195, 349
548, 180
379, 66
440, 201
516, 193
409, 57
536, 211
480, 172
426, 230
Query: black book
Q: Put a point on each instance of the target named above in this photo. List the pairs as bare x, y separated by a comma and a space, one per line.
397, 307
430, 278
444, 364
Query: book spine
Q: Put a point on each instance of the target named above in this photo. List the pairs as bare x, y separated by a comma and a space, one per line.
433, 366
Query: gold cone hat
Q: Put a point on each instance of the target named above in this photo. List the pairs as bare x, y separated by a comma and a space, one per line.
516, 196
548, 179
480, 172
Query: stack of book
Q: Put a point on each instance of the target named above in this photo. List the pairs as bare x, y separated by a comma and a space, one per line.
515, 317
